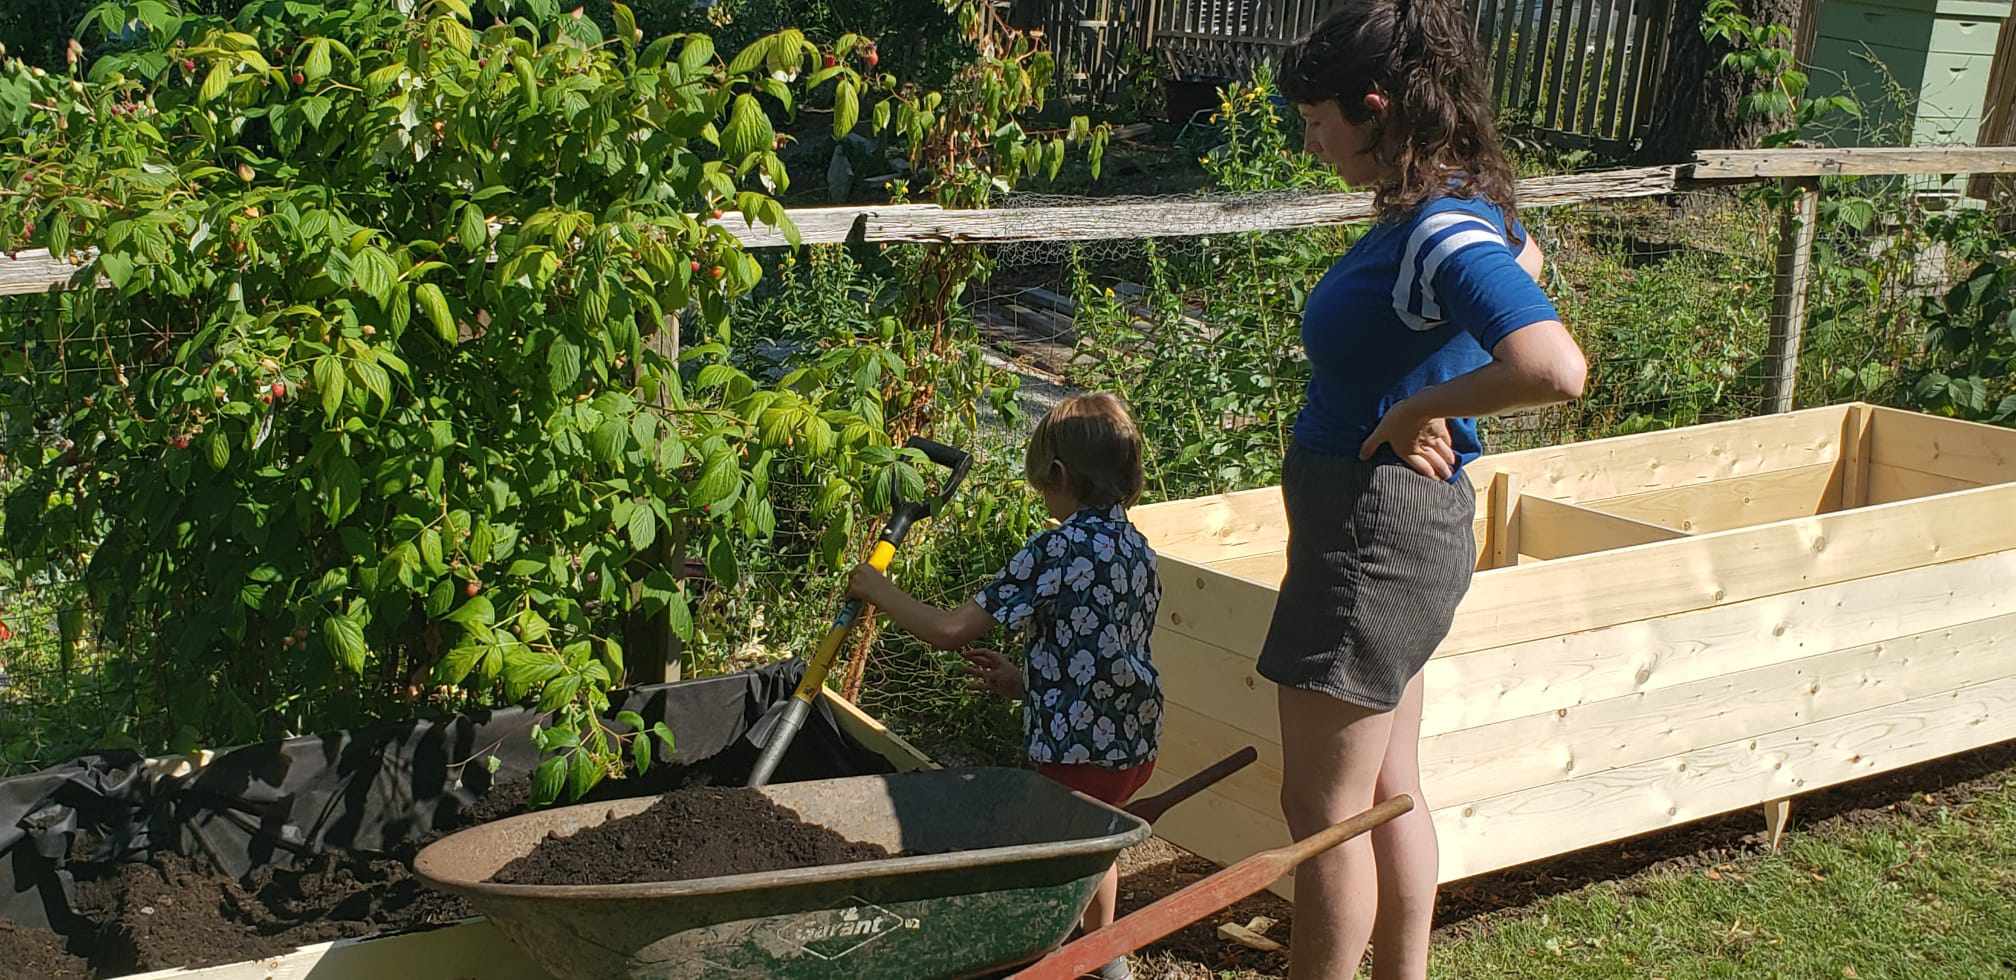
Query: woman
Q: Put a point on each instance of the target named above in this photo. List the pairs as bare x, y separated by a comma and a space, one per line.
1431, 319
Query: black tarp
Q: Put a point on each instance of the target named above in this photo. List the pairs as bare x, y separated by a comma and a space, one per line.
368, 790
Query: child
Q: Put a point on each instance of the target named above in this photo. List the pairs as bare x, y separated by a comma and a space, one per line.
1085, 594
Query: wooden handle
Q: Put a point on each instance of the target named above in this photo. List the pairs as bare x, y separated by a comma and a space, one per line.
1152, 808
1202, 898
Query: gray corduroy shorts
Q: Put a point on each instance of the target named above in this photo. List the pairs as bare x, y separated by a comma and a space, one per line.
1378, 558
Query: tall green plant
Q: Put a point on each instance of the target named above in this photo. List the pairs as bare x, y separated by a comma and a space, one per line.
383, 394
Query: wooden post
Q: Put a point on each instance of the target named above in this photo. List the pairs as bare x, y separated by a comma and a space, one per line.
1998, 119
1777, 814
1504, 520
654, 654
1855, 458
1796, 229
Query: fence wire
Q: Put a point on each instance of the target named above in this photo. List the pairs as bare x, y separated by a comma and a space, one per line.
1671, 298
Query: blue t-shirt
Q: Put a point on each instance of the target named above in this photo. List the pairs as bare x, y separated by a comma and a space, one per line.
1417, 301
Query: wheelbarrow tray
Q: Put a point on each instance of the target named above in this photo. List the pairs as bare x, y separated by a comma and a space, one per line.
1006, 861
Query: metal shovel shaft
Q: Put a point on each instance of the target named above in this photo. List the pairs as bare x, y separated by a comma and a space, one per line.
1174, 912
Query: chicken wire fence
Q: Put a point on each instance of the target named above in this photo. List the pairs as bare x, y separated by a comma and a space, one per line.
1671, 297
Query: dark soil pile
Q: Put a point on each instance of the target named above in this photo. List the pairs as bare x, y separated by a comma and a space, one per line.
680, 838
38, 954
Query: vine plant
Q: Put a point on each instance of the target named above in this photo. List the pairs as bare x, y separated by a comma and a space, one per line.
383, 405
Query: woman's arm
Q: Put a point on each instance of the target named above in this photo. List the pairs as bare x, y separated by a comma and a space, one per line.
1539, 364
945, 629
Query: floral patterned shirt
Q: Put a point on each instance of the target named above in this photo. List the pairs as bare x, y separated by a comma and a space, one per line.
1085, 592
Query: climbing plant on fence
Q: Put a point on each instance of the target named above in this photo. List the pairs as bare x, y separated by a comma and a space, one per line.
382, 403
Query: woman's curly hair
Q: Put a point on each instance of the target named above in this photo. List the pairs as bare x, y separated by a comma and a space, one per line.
1438, 134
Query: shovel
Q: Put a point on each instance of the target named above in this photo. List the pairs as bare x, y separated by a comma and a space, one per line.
775, 730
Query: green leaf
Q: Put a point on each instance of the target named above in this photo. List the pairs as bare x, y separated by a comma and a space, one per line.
345, 638
609, 440
747, 60
330, 381
455, 666
220, 449
441, 598
116, 267
626, 24
214, 83
679, 615
474, 231
372, 273
583, 775
719, 478
664, 735
643, 528
482, 542
317, 66
846, 109
430, 552
721, 562
563, 364
315, 109
375, 380
640, 753
548, 779
524, 675
749, 130
532, 627
435, 304
476, 610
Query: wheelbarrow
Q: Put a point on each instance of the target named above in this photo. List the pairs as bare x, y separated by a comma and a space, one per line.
1003, 864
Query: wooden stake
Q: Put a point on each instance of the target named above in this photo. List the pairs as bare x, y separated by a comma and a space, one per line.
1796, 228
1504, 522
1777, 814
1855, 458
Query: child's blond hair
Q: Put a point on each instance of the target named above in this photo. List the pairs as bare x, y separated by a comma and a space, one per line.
1096, 440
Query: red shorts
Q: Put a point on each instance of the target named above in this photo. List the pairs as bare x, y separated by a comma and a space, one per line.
1113, 787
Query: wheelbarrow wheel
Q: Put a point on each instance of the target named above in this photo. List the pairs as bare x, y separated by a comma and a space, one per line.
1157, 920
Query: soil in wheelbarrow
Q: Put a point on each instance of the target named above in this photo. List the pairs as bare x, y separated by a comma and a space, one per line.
687, 835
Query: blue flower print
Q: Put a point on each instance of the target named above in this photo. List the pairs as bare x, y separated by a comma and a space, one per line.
1102, 595
1081, 717
1121, 581
1059, 725
1077, 754
1103, 733
1123, 672
1023, 563
1102, 547
1082, 667
1047, 583
1140, 578
1084, 622
1111, 642
1079, 575
1057, 546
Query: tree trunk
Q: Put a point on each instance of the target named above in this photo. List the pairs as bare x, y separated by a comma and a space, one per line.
1698, 104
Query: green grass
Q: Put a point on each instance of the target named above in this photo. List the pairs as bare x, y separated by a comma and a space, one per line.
1894, 898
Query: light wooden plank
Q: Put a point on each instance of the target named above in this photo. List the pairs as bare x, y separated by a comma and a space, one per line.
1219, 828
1262, 569
1852, 161
1777, 814
1557, 818
1855, 451
1703, 508
470, 949
1214, 607
1210, 529
876, 737
1946, 447
35, 271
1215, 683
1492, 760
1600, 469
1552, 529
1518, 680
1593, 591
1503, 518
1889, 484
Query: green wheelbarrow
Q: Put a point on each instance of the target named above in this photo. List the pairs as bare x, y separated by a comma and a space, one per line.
1005, 862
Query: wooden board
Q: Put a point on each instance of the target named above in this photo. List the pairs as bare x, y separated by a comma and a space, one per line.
1889, 484
470, 950
1943, 447
1843, 161
1602, 469
1649, 796
1209, 529
1593, 591
1552, 529
1209, 605
1216, 683
1517, 680
875, 736
1704, 508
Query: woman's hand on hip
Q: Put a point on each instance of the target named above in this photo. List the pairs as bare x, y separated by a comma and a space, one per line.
1422, 443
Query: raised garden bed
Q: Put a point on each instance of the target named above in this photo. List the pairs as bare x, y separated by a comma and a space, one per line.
1664, 627
294, 858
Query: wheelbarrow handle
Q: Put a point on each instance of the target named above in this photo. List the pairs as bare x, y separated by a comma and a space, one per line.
1173, 912
1152, 808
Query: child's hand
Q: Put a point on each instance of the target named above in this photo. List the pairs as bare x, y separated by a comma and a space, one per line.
867, 584
994, 673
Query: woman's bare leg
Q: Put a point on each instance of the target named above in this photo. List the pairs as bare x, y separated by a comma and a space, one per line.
1405, 853
1332, 752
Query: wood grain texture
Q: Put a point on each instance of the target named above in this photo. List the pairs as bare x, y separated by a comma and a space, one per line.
874, 736
34, 271
1594, 591
1210, 529
1953, 448
1852, 161
1210, 605
1601, 469
1564, 816
1551, 529
1522, 679
1856, 440
1890, 484
1502, 520
1704, 508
